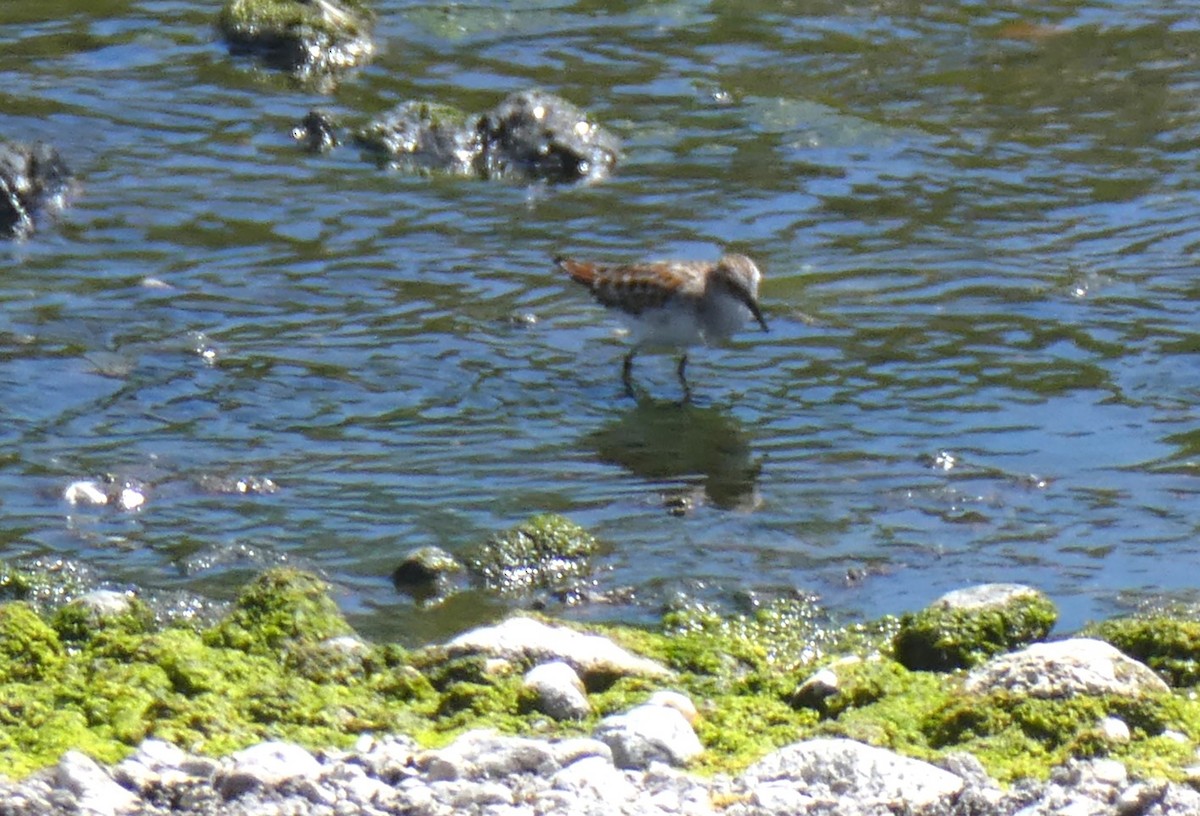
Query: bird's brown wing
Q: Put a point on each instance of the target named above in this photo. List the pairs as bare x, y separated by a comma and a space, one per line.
634, 287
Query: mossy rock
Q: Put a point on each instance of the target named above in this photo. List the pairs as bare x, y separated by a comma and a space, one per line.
963, 629
424, 135
1017, 736
762, 651
548, 551
1170, 647
300, 35
44, 584
102, 615
429, 575
281, 608
15, 584
30, 650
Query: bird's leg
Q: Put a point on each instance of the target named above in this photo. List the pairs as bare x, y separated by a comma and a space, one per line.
687, 391
627, 374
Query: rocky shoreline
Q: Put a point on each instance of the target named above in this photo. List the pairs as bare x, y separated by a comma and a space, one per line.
963, 708
485, 773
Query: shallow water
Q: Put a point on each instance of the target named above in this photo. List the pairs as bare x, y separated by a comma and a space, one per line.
978, 225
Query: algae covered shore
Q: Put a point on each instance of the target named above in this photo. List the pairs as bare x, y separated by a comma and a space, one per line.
101, 673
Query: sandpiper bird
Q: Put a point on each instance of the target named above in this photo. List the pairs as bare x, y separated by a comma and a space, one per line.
674, 304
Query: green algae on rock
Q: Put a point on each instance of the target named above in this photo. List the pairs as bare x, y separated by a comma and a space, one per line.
963, 628
30, 650
428, 575
1169, 646
282, 664
304, 36
528, 136
262, 672
280, 608
102, 611
423, 136
547, 551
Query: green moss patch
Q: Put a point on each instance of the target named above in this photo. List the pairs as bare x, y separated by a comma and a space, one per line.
548, 551
292, 35
282, 665
942, 638
1168, 646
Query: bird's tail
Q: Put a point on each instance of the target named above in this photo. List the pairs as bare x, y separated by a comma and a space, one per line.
580, 271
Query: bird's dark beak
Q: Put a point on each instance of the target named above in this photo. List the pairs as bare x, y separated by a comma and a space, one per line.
757, 315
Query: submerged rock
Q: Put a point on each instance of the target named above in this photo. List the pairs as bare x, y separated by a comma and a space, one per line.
529, 136
235, 485
424, 136
317, 132
548, 551
428, 575
307, 37
108, 490
536, 135
33, 179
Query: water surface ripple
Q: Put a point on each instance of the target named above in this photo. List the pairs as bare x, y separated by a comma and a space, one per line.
978, 223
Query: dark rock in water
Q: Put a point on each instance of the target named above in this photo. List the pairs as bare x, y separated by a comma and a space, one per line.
424, 136
308, 37
428, 575
529, 136
537, 135
317, 132
33, 178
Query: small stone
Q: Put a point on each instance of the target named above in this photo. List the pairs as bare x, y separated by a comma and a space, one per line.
678, 701
95, 792
559, 690
367, 790
200, 767
574, 749
483, 754
1114, 730
813, 691
596, 779
143, 770
346, 645
427, 574
86, 491
106, 603
649, 733
266, 765
1110, 772
1139, 797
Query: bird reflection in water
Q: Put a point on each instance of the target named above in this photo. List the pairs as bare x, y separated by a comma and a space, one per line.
704, 446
